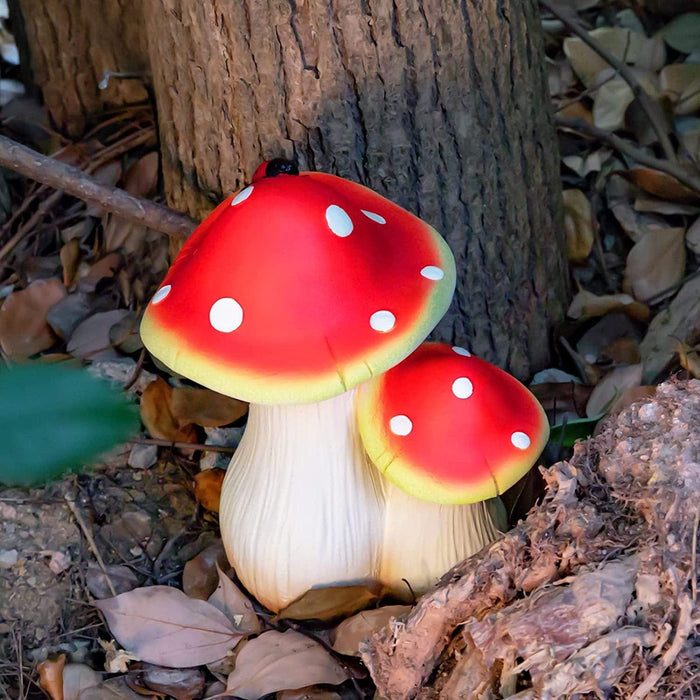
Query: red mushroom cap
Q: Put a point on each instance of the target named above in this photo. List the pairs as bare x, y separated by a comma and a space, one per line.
447, 427
298, 288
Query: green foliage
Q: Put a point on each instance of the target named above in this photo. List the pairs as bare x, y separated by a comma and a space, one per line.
55, 419
567, 433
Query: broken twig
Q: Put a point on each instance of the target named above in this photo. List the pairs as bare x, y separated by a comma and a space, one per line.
645, 102
74, 181
624, 146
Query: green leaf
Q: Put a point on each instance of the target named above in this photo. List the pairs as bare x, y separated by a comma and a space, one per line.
567, 433
55, 419
683, 33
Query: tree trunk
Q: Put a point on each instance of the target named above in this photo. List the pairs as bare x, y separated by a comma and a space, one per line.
437, 104
71, 45
440, 105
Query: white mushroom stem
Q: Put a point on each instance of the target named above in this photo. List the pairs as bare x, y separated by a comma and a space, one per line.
302, 506
423, 540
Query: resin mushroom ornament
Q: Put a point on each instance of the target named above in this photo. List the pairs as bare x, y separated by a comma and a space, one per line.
445, 427
289, 295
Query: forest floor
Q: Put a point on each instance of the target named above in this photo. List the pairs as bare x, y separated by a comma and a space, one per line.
72, 282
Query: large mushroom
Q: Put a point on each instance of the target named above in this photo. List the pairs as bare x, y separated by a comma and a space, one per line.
289, 295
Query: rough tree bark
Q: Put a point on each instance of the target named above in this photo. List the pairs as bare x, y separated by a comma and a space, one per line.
440, 105
71, 45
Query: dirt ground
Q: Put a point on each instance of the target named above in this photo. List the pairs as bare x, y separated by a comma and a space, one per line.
145, 524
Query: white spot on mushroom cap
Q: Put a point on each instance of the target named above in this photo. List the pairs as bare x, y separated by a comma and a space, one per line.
226, 315
461, 351
382, 321
520, 440
242, 195
432, 272
161, 294
462, 388
338, 221
400, 425
373, 216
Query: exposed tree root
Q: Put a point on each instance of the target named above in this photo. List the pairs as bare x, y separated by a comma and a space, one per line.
594, 593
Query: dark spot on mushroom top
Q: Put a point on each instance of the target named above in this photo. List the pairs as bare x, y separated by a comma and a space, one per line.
281, 166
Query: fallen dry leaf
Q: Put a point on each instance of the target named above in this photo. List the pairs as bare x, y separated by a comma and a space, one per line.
622, 351
662, 185
689, 357
632, 395
70, 260
116, 660
681, 82
51, 676
331, 602
200, 576
690, 142
611, 101
578, 224
235, 605
586, 304
282, 661
627, 46
65, 316
77, 678
115, 689
23, 327
309, 692
692, 237
576, 110
124, 334
131, 532
646, 203
91, 339
635, 223
683, 32
141, 178
157, 416
122, 234
611, 387
106, 267
122, 578
108, 174
597, 339
680, 321
205, 407
161, 625
590, 163
179, 683
346, 637
655, 263
207, 488
562, 397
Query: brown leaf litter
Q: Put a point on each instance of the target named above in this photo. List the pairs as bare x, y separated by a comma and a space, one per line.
594, 593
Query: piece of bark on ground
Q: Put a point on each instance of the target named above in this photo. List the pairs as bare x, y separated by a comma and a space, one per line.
595, 592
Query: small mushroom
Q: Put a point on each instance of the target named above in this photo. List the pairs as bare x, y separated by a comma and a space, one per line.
289, 295
449, 429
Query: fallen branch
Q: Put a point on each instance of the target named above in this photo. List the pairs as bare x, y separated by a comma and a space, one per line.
624, 146
74, 181
645, 102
